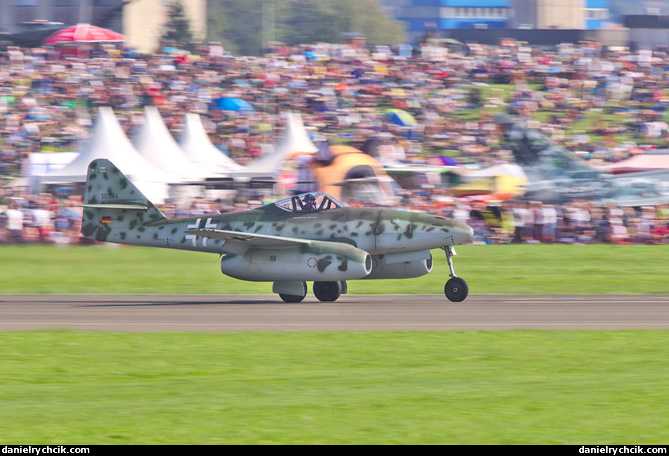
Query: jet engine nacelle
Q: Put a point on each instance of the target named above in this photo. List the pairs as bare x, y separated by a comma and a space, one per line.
335, 263
401, 265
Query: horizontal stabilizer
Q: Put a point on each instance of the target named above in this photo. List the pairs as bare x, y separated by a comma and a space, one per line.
138, 207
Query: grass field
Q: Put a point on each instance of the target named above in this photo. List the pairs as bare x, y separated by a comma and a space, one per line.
451, 387
498, 269
521, 387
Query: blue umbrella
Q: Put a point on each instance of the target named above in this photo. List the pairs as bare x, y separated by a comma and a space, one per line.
233, 104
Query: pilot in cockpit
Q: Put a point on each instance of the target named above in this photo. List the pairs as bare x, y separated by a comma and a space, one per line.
309, 202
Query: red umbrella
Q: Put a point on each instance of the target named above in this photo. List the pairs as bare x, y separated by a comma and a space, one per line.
83, 33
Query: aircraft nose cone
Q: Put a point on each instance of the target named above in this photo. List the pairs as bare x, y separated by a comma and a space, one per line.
463, 232
442, 230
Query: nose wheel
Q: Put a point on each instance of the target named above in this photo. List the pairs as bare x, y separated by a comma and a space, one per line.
456, 289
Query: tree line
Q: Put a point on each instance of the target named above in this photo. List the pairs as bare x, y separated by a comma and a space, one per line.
243, 27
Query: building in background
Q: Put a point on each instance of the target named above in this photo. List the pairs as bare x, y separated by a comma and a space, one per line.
437, 16
561, 14
433, 16
648, 30
546, 14
597, 14
141, 21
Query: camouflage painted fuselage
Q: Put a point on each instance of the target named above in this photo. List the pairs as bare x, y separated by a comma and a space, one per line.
377, 231
309, 237
291, 242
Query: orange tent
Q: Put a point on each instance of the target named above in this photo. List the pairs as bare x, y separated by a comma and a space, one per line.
347, 165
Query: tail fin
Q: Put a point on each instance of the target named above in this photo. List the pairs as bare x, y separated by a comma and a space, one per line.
113, 206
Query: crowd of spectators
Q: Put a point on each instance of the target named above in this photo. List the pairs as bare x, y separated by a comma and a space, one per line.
530, 222
47, 219
48, 102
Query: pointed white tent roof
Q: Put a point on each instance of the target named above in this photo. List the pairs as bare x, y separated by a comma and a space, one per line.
108, 140
197, 146
295, 140
155, 143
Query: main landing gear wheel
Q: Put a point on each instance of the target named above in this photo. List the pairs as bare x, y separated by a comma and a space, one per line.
294, 298
327, 291
456, 289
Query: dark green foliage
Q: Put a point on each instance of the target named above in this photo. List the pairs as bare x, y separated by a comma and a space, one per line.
177, 30
244, 26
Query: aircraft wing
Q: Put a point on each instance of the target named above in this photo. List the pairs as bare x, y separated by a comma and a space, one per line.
236, 240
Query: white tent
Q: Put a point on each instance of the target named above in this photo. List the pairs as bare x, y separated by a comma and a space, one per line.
38, 165
295, 141
197, 146
155, 143
108, 140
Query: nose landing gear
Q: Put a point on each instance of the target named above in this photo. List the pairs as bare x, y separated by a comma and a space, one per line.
456, 289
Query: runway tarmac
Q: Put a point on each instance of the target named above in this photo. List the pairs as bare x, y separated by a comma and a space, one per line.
221, 313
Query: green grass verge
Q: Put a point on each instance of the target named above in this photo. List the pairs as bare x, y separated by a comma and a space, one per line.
522, 387
499, 269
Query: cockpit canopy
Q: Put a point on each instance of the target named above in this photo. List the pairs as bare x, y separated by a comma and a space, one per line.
308, 202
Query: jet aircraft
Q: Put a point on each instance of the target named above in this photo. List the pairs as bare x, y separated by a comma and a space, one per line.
307, 237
